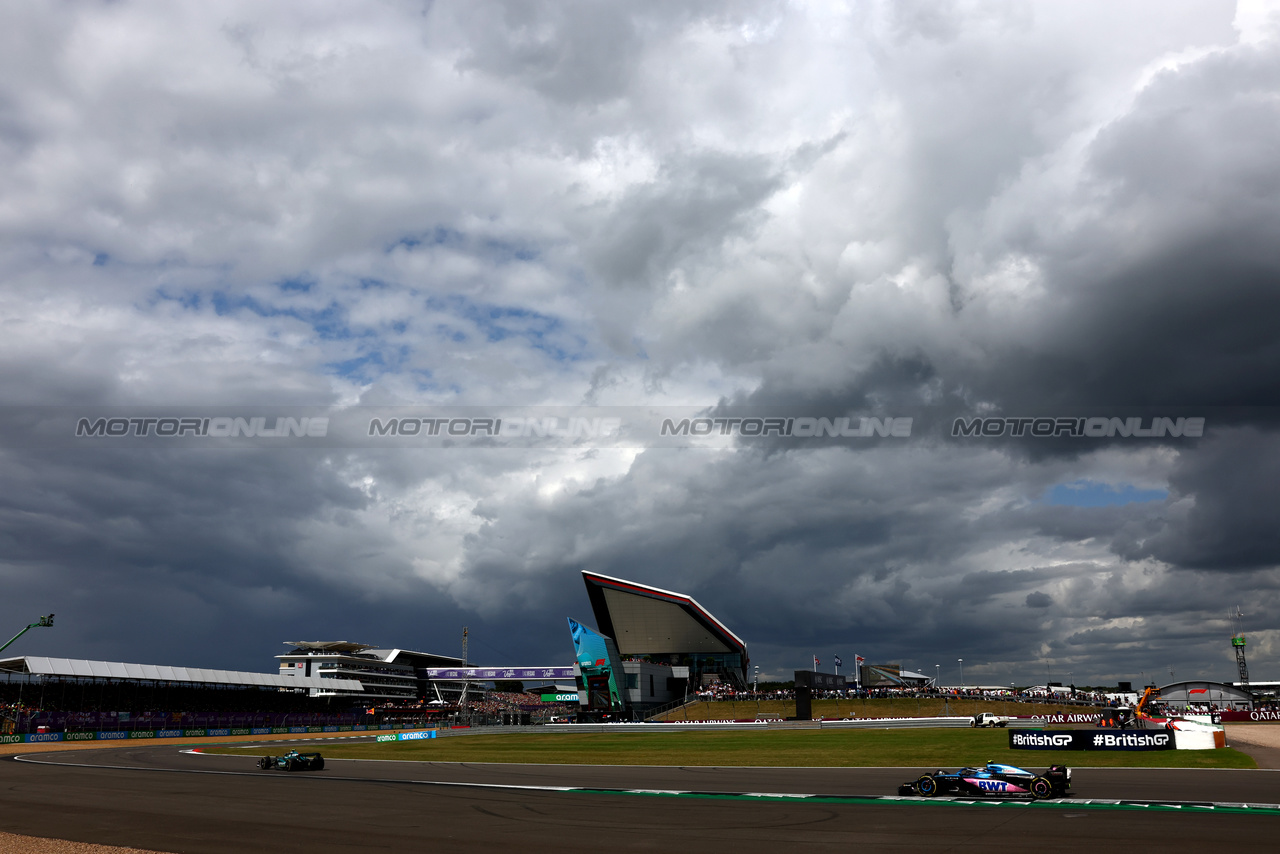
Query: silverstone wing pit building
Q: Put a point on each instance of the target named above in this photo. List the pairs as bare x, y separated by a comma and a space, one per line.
651, 647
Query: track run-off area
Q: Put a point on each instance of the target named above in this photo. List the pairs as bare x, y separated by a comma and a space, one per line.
172, 798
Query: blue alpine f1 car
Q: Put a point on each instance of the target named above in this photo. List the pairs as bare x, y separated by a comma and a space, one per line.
993, 780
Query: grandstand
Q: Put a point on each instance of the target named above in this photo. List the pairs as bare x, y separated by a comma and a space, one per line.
384, 675
317, 683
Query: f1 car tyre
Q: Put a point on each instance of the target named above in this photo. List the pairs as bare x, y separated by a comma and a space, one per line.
927, 786
265, 762
289, 764
1041, 788
318, 765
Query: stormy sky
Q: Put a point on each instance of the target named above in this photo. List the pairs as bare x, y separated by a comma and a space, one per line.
935, 210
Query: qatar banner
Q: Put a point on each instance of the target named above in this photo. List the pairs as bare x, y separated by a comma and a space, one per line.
1245, 715
1137, 739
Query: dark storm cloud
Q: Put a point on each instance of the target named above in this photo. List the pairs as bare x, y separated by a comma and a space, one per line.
1233, 487
915, 209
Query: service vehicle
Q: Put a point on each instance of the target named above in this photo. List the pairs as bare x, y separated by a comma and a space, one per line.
292, 761
993, 780
1116, 718
983, 719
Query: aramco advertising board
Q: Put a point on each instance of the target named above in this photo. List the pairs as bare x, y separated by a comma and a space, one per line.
601, 666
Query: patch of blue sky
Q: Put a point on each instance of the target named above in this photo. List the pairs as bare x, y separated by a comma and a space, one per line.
1091, 493
297, 284
101, 259
190, 300
497, 323
328, 322
365, 368
372, 362
438, 236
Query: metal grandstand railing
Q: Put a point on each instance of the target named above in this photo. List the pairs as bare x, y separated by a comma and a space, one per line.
669, 707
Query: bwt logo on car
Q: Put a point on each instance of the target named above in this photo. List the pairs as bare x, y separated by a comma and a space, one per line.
991, 785
1032, 739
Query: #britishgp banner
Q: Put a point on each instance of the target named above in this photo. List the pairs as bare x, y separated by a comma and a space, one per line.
1085, 740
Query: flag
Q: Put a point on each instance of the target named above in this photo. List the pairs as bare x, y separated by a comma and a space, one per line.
859, 659
838, 661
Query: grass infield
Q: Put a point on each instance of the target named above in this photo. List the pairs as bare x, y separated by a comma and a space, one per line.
941, 748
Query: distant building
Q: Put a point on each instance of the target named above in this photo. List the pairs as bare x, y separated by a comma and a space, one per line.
387, 675
1192, 693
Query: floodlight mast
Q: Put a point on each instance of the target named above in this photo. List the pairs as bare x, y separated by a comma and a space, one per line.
1237, 642
43, 623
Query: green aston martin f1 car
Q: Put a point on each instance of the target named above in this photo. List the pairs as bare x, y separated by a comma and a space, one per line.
293, 761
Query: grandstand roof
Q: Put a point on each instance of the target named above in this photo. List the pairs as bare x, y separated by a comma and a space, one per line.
643, 619
330, 646
415, 658
41, 666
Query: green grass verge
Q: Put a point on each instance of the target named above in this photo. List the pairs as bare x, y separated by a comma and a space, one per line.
940, 748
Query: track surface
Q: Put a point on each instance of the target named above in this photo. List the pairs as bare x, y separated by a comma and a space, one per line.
160, 798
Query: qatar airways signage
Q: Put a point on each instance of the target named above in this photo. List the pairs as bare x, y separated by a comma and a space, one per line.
1242, 715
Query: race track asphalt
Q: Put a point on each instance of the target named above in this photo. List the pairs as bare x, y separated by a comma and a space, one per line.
160, 798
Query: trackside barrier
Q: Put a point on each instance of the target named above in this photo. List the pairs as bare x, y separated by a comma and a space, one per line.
849, 723
911, 723
408, 736
123, 735
640, 727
